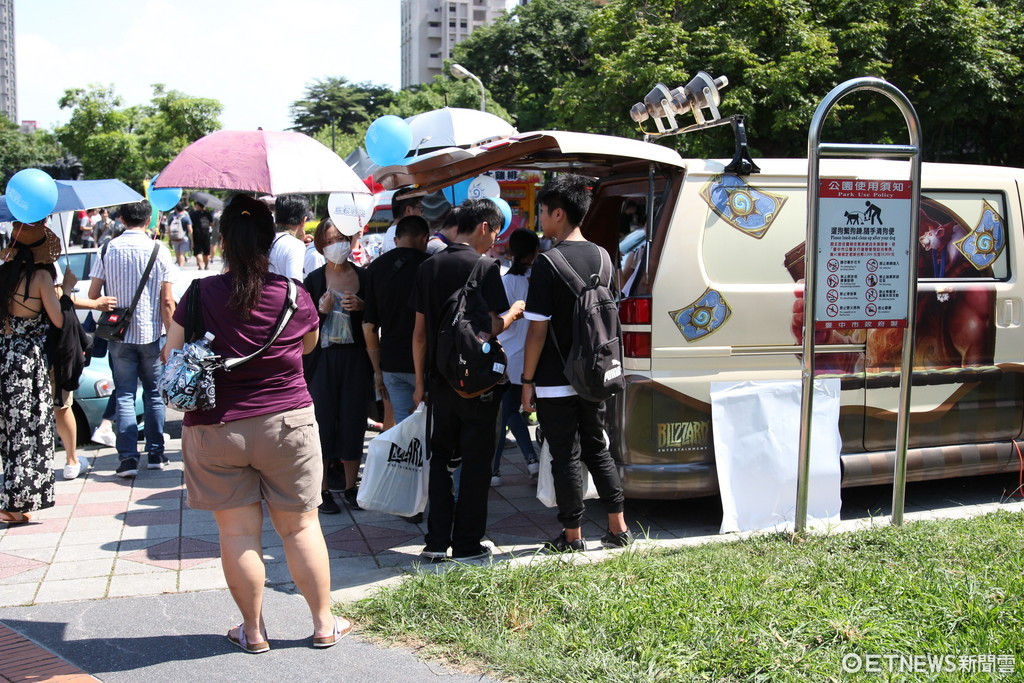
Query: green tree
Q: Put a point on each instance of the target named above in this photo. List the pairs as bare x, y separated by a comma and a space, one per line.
525, 55
444, 91
349, 107
24, 150
130, 143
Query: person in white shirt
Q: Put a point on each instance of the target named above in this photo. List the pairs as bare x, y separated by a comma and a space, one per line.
288, 252
401, 206
313, 259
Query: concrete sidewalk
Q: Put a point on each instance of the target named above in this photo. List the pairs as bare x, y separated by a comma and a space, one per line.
123, 581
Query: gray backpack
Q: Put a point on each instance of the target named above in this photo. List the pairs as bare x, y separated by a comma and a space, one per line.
594, 364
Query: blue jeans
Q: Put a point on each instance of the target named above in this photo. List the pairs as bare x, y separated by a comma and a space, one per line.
401, 386
513, 419
132, 364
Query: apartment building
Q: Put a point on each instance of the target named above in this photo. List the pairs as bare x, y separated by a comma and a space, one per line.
8, 80
431, 28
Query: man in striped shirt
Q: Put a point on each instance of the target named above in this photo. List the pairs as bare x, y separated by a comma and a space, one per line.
137, 359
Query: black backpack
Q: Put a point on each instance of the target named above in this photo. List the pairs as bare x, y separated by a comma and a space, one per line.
594, 365
468, 357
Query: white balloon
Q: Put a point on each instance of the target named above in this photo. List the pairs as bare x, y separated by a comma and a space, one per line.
483, 186
350, 211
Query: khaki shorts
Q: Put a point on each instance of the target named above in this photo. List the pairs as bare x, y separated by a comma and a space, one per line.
61, 398
273, 457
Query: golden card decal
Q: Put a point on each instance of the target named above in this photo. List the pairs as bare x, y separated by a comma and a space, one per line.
863, 274
984, 244
703, 316
742, 206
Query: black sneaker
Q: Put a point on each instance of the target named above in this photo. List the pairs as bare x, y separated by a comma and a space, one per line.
433, 555
350, 496
335, 478
617, 540
128, 468
414, 519
560, 544
328, 505
157, 462
481, 552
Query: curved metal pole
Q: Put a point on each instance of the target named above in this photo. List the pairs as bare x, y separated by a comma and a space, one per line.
815, 149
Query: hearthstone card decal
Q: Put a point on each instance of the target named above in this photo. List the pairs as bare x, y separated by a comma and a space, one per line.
703, 316
742, 206
984, 244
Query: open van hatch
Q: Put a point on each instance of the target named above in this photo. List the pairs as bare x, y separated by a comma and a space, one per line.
597, 156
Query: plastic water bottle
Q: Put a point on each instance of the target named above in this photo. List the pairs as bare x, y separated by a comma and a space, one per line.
202, 348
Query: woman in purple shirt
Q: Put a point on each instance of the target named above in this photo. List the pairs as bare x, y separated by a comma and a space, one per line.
260, 443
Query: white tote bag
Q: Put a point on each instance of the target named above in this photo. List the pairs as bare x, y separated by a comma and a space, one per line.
397, 467
546, 482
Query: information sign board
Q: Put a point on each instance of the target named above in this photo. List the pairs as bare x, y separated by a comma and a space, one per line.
863, 274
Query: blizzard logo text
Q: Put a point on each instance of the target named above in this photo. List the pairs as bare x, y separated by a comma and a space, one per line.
413, 456
677, 435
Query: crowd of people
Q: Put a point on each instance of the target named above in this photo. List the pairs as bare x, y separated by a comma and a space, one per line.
288, 427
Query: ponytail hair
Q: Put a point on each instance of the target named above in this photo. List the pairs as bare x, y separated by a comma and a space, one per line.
247, 231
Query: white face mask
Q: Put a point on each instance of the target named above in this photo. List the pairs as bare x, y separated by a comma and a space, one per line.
337, 252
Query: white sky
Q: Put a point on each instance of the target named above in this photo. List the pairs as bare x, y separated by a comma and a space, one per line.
255, 56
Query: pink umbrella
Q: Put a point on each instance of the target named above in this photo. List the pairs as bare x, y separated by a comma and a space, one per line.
264, 161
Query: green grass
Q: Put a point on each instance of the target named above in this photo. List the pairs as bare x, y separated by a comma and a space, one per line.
772, 608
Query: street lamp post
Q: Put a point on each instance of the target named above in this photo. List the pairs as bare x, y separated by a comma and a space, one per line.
330, 115
462, 73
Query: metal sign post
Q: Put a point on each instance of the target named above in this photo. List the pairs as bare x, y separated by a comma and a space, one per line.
869, 279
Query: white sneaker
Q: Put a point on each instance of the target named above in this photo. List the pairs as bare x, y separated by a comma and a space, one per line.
533, 467
496, 480
104, 436
72, 471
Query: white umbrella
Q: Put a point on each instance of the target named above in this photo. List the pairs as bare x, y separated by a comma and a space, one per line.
454, 127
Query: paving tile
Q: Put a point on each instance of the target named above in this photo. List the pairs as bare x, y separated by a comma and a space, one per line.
80, 569
156, 531
96, 484
11, 542
61, 499
56, 512
202, 579
34, 554
151, 517
108, 509
18, 594
124, 585
72, 590
74, 553
278, 574
93, 524
106, 538
125, 566
113, 496
23, 574
172, 503
152, 495
199, 528
42, 526
130, 545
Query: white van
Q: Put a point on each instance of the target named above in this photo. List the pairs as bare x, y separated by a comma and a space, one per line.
716, 299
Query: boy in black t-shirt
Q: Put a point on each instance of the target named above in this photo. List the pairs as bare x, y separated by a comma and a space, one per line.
463, 431
573, 427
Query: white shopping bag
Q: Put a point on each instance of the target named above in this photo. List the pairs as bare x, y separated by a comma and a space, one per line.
546, 482
756, 427
397, 468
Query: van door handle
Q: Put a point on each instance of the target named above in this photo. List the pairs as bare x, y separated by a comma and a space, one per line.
1008, 312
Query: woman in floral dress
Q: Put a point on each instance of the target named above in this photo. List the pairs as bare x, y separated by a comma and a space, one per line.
28, 307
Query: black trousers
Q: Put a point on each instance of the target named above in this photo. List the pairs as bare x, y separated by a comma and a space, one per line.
574, 431
461, 430
341, 387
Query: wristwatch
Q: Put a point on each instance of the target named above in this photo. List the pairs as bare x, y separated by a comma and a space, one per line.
523, 380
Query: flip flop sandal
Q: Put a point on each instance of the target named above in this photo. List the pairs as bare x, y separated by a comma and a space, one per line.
338, 633
241, 642
9, 518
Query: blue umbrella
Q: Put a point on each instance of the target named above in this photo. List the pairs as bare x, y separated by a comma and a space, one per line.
75, 195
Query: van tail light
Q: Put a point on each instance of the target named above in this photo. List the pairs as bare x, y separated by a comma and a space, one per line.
635, 311
636, 344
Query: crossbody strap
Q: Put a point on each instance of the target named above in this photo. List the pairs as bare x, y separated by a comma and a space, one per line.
290, 306
142, 284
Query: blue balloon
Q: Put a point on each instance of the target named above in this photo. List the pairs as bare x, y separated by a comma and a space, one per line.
31, 195
457, 193
506, 210
388, 140
164, 198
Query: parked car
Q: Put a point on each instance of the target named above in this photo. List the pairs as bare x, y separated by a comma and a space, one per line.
91, 396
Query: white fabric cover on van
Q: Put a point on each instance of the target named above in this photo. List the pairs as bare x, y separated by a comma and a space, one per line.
756, 428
